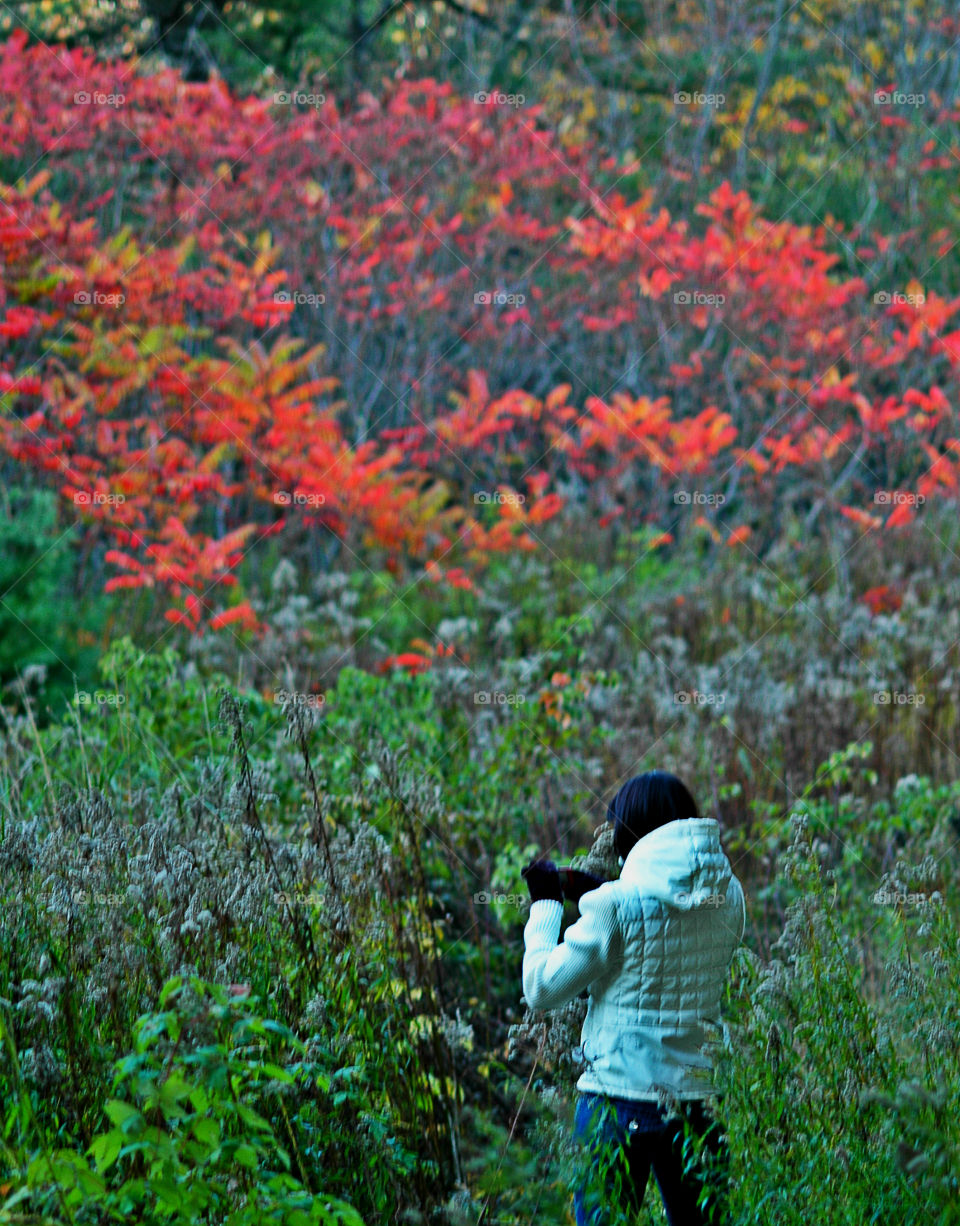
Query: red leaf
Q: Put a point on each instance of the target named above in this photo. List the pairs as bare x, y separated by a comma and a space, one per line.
241, 613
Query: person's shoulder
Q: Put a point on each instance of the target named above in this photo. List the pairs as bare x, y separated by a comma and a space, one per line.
607, 889
604, 900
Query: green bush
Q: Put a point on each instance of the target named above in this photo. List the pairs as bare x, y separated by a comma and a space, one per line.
841, 1084
44, 630
185, 1141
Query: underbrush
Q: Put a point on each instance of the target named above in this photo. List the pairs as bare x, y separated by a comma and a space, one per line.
261, 949
842, 1088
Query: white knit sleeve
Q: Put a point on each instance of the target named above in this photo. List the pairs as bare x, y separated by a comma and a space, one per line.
553, 974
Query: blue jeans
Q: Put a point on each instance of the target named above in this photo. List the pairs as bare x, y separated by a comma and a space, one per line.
624, 1139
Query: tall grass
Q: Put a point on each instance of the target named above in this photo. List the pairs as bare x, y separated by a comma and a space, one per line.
122, 938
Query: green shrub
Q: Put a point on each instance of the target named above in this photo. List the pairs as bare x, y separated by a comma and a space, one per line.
184, 1138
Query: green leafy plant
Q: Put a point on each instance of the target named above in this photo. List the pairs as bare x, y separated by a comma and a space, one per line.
186, 1141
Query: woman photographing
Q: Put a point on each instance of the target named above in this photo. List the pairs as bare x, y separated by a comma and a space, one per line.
654, 949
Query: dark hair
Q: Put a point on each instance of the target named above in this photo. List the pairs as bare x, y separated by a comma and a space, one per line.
644, 803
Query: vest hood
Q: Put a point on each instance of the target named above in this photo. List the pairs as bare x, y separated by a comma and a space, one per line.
681, 864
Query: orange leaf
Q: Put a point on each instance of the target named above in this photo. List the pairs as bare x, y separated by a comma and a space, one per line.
239, 613
903, 514
557, 397
545, 509
884, 599
122, 581
862, 518
180, 618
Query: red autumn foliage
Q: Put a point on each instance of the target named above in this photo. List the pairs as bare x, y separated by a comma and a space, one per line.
882, 599
160, 372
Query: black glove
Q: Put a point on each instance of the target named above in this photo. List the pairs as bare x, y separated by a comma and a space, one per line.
576, 883
543, 880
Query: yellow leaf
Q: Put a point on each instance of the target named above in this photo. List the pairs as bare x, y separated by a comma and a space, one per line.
874, 53
313, 193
